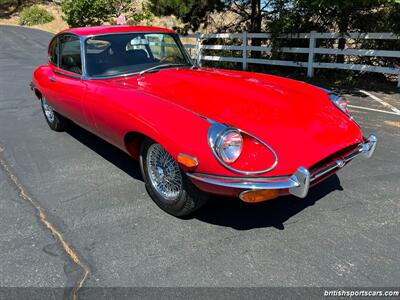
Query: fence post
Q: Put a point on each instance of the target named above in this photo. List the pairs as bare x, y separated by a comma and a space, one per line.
198, 50
244, 51
310, 64
398, 81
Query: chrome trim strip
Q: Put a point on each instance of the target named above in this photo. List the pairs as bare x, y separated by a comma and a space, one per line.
241, 178
298, 184
217, 129
67, 74
267, 184
85, 76
366, 149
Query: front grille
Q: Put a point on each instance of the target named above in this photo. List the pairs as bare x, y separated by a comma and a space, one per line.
332, 158
330, 165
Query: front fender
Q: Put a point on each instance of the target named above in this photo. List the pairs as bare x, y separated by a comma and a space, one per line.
118, 111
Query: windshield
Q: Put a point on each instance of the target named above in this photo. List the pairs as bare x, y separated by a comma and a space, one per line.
120, 54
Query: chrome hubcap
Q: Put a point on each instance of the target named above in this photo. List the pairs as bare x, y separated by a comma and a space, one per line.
164, 173
48, 111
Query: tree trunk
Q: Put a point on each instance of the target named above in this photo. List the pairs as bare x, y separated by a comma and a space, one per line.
255, 25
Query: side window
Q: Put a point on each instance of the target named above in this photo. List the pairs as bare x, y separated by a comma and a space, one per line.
70, 48
53, 52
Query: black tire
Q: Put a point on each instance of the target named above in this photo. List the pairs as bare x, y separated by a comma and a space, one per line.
190, 198
57, 122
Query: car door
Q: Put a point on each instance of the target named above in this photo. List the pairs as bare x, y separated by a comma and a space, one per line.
68, 87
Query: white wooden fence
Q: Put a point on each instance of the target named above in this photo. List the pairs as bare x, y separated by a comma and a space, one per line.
195, 43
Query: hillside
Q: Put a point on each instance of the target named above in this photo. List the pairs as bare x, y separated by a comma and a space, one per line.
9, 15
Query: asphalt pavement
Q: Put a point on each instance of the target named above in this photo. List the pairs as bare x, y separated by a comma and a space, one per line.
345, 233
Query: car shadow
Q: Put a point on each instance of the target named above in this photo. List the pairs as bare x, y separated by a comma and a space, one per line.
236, 214
228, 212
109, 152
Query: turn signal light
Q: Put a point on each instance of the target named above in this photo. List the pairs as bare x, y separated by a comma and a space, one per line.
187, 160
258, 195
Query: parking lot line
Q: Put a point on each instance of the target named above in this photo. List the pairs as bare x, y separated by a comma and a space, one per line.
397, 111
373, 109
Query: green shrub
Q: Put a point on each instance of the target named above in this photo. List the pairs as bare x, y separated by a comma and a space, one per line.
34, 15
80, 13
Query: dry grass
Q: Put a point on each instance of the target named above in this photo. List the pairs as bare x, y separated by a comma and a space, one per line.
393, 123
54, 26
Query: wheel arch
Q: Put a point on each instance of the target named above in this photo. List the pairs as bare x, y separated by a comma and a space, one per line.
38, 93
133, 141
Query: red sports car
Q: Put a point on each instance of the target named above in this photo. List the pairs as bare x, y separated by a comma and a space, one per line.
196, 131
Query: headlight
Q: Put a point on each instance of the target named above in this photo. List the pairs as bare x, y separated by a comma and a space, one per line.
338, 100
229, 145
340, 103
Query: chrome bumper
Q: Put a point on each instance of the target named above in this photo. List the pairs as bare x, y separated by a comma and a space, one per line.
298, 184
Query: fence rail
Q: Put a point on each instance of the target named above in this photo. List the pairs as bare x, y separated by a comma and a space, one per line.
199, 45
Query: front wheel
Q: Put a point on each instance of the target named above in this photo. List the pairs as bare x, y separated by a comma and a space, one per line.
167, 185
55, 121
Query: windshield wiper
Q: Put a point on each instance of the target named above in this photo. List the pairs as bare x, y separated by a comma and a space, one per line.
156, 68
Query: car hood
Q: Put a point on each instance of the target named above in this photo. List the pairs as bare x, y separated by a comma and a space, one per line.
296, 119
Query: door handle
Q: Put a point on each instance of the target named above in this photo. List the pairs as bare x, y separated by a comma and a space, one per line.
52, 79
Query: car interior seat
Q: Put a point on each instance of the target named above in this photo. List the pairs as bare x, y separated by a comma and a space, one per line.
72, 64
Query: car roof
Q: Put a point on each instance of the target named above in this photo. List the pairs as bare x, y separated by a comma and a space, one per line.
95, 30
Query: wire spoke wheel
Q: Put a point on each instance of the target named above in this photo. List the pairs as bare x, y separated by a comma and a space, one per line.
166, 183
48, 111
164, 173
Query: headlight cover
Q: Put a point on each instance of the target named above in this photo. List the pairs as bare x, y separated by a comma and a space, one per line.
239, 151
340, 103
229, 145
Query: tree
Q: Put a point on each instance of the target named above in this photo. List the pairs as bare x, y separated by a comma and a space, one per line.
345, 14
191, 12
250, 14
337, 15
78, 13
278, 16
9, 7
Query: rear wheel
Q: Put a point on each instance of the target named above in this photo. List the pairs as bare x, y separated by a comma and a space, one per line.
167, 185
55, 121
